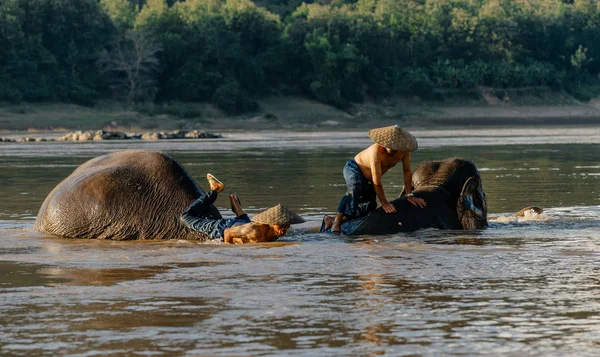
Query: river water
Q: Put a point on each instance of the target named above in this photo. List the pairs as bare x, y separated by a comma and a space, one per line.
528, 286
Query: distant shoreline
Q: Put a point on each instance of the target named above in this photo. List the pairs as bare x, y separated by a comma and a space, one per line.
293, 113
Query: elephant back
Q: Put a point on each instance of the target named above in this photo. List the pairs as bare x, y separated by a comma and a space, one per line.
408, 218
134, 194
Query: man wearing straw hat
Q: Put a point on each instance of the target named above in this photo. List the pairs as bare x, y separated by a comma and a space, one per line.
267, 226
363, 176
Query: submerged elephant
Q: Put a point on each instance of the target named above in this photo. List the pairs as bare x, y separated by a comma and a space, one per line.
135, 194
455, 200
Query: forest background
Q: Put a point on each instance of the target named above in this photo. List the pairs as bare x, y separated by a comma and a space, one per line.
231, 53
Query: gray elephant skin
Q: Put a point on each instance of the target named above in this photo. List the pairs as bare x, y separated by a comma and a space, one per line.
455, 199
127, 195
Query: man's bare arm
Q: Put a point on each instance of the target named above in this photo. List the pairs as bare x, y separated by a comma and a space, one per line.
407, 174
378, 185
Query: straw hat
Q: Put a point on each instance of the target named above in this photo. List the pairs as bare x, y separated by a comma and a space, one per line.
279, 215
394, 137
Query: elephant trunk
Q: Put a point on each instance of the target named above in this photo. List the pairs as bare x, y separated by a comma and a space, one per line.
472, 205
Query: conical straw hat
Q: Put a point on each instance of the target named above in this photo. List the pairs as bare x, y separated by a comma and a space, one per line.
394, 137
279, 215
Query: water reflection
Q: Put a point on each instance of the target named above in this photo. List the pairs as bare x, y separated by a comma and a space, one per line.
80, 277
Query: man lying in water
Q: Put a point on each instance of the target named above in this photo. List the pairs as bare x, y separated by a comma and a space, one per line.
267, 226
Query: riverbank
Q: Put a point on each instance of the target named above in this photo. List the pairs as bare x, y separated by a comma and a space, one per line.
301, 113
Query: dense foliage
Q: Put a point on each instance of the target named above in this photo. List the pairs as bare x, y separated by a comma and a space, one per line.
233, 51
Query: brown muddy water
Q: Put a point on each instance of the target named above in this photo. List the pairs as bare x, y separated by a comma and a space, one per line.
526, 287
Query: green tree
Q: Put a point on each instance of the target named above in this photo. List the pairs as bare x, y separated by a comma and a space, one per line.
13, 56
151, 12
123, 12
209, 44
579, 59
64, 39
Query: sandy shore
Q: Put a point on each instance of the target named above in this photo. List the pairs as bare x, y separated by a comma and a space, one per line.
298, 113
520, 115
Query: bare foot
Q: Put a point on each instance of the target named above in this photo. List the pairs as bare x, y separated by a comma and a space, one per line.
214, 183
336, 228
236, 205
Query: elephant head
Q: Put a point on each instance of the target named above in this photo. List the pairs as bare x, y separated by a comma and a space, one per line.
472, 205
460, 181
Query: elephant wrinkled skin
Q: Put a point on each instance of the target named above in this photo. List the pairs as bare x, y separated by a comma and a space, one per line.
455, 199
127, 195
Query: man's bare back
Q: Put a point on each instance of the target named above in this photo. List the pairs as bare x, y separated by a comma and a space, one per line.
375, 161
254, 233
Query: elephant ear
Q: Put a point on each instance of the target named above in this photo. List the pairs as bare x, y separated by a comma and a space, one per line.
472, 205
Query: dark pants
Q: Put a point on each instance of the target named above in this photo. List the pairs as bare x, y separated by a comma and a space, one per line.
361, 198
196, 217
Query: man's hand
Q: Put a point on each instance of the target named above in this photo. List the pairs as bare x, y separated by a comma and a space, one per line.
388, 208
416, 201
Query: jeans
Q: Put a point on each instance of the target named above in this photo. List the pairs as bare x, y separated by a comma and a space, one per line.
361, 198
196, 217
